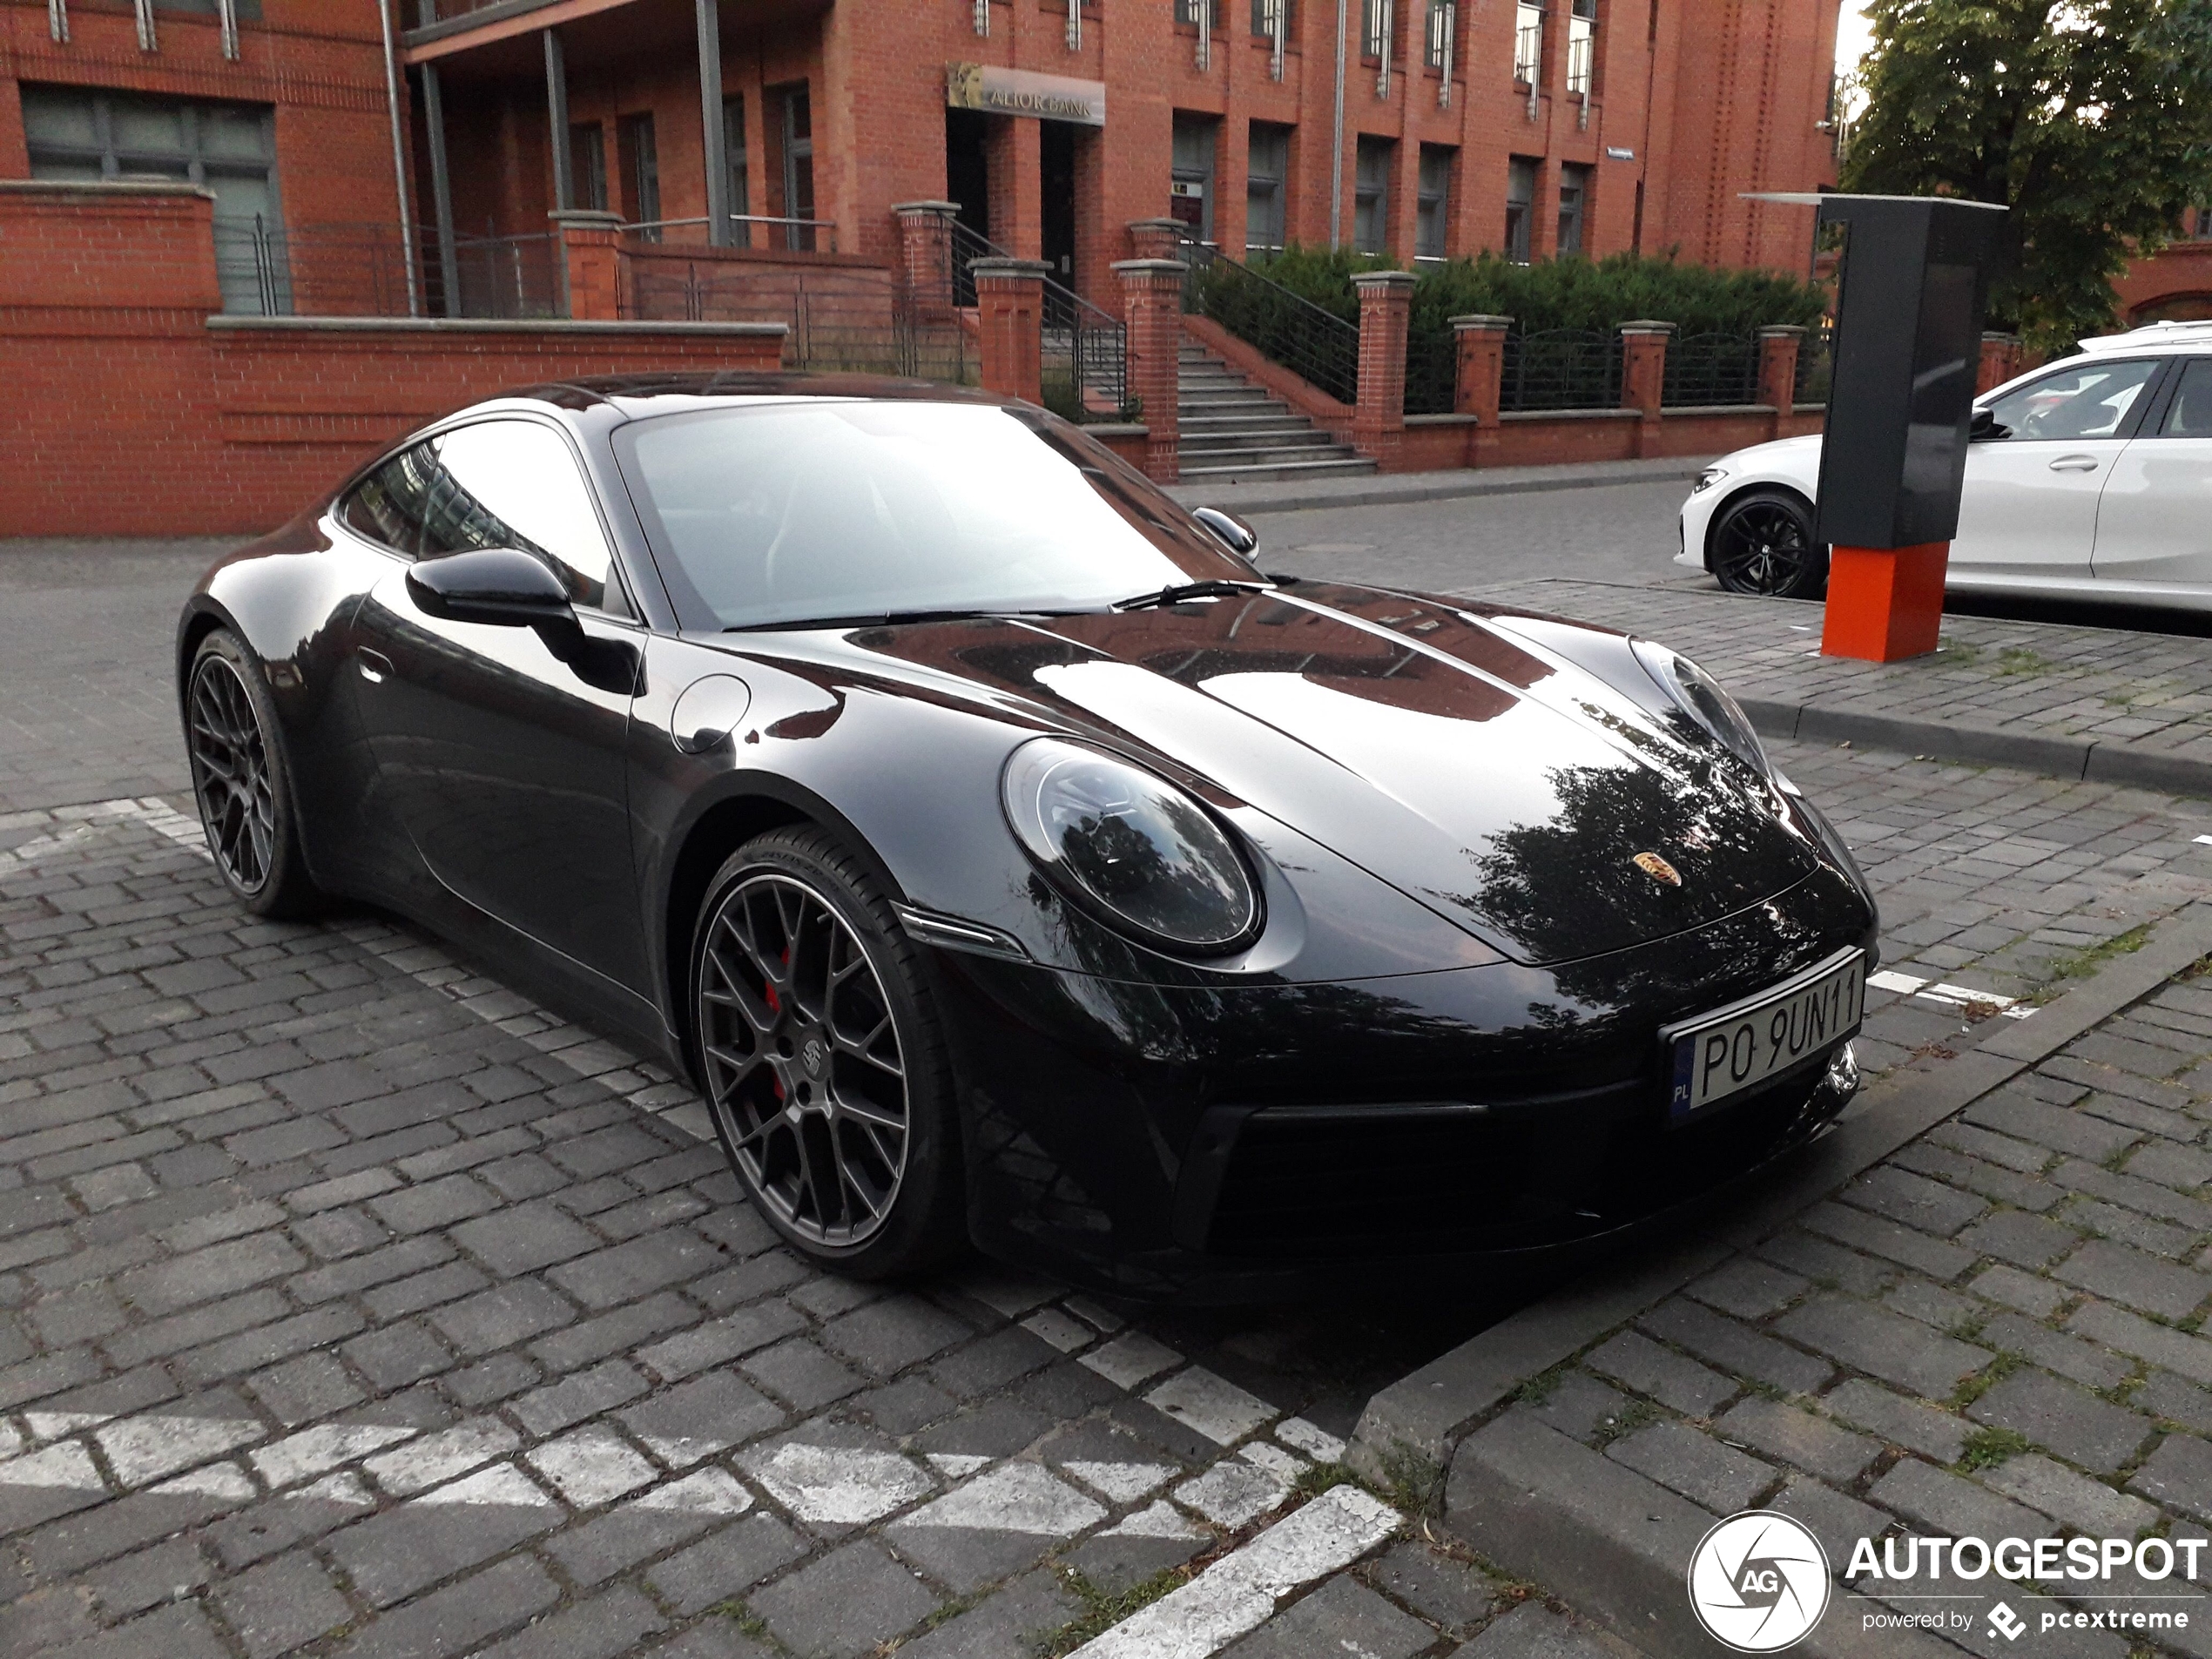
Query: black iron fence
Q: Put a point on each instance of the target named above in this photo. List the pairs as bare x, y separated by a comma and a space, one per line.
1561, 368
1084, 346
1816, 362
836, 322
361, 271
1706, 371
1317, 345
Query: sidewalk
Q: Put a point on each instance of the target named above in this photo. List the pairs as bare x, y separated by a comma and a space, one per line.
1375, 490
2103, 703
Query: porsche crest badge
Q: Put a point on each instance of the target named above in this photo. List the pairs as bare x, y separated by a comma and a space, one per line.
1657, 869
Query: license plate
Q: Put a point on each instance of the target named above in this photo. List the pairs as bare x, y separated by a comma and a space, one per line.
1723, 1054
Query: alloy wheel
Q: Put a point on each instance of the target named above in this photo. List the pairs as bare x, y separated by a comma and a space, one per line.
230, 763
1762, 548
804, 1065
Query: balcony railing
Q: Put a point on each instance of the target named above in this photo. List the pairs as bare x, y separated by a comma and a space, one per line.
793, 235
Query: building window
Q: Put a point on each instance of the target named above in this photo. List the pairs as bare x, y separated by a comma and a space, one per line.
734, 147
1520, 200
798, 165
1528, 43
639, 156
1374, 27
1582, 48
1191, 185
1441, 21
1371, 194
588, 164
76, 135
2204, 224
1432, 212
1267, 181
1573, 205
1187, 12
1268, 15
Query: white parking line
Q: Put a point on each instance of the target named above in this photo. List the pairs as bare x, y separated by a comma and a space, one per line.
1015, 1497
1215, 1406
1129, 1359
839, 1485
1957, 996
1237, 1592
1233, 1493
1123, 1482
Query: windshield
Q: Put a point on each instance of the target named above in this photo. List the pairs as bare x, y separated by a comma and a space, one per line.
791, 513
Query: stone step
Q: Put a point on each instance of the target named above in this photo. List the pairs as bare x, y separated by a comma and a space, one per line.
1205, 425
1212, 443
1283, 472
1234, 431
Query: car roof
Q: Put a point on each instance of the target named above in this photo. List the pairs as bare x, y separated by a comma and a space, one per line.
639, 396
2151, 334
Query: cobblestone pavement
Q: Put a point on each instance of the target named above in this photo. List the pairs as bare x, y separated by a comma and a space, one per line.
1994, 1333
2037, 678
353, 1306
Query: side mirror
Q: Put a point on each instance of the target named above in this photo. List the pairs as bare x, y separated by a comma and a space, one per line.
1229, 530
1985, 427
502, 586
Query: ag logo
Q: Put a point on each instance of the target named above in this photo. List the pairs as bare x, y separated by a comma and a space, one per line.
1758, 1581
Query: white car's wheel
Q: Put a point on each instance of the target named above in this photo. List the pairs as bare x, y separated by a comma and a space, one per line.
1762, 543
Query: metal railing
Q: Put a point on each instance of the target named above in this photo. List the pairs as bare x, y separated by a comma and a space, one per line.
836, 324
1317, 345
1816, 363
799, 235
361, 271
1084, 346
1705, 371
1561, 368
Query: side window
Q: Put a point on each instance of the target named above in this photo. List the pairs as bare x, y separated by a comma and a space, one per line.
514, 483
2191, 414
2089, 398
387, 506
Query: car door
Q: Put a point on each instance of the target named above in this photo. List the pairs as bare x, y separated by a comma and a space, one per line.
2027, 513
504, 761
2154, 526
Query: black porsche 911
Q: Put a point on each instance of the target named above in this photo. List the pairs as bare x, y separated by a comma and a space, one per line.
1010, 862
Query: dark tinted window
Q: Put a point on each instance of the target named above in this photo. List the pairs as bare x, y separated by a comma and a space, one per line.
2091, 397
387, 506
514, 483
2191, 414
824, 509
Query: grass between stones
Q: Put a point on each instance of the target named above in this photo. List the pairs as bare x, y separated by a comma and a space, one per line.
1987, 1447
1102, 1612
2083, 963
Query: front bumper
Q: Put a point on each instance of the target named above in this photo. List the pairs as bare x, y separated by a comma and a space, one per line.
1695, 520
1235, 1145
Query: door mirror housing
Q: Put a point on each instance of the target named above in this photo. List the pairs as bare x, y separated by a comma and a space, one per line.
502, 586
1984, 428
1229, 530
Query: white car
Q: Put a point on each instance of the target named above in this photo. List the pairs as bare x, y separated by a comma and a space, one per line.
2090, 477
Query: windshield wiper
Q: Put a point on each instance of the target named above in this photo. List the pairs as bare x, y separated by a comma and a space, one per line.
1176, 593
876, 619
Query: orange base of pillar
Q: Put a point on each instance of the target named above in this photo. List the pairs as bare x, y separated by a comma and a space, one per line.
1884, 604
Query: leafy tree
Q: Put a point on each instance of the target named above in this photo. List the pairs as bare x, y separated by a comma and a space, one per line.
2091, 119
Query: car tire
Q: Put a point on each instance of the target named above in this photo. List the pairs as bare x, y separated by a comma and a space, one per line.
242, 781
1762, 542
823, 1060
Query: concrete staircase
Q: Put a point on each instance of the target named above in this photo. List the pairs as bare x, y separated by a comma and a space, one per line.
1235, 432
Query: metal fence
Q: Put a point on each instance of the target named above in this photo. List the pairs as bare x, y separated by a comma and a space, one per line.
1084, 346
1432, 373
773, 231
838, 323
1561, 368
1707, 371
361, 271
1317, 345
1816, 363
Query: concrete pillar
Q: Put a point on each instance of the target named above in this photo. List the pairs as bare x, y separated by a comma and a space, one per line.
926, 255
1015, 157
1644, 375
1477, 383
1779, 344
2000, 361
1009, 313
714, 141
592, 259
1156, 238
1378, 421
434, 116
1152, 308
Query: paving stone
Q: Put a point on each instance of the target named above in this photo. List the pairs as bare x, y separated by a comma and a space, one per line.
282, 1605
602, 1628
1945, 1504
727, 1565
205, 1274
1121, 1558
500, 1318
1342, 1616
2117, 1328
1448, 1591
1902, 1422
462, 1615
2061, 1130
717, 1340
981, 1368
167, 1571
2030, 1294
2089, 1507
586, 1394
2016, 1236
434, 1204
1829, 1266
2166, 1398
844, 1605
393, 1556
617, 1328
1699, 1467
1665, 1375
1736, 1348
1748, 1288
524, 1239
1799, 1439
1534, 1631
396, 1355
2070, 1356
1884, 1344
1838, 1521
2075, 1424
2177, 1475
887, 1337
1008, 1624
698, 1418
647, 1525
2110, 1221
2135, 1279
801, 1375
637, 1268
1938, 1257
1927, 1206
1579, 1405
995, 1429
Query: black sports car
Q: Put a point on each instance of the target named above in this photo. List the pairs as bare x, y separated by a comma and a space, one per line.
1007, 860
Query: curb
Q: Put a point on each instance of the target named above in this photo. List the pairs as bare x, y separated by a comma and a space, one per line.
2073, 758
1453, 487
1426, 1413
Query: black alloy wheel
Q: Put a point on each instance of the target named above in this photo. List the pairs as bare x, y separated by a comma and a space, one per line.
241, 782
1762, 543
821, 1063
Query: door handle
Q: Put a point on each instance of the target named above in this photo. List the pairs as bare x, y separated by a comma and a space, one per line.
375, 667
2074, 463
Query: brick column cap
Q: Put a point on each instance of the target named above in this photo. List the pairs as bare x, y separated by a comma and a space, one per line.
586, 219
1383, 282
1175, 225
1647, 326
1132, 267
1480, 321
1781, 331
1005, 265
942, 210
1998, 336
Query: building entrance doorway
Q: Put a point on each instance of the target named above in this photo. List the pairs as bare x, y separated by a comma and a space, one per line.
968, 167
1057, 144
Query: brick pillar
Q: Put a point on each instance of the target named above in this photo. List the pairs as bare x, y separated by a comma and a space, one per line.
1152, 307
926, 255
1156, 238
1778, 346
1379, 422
1014, 156
1478, 382
2000, 361
591, 248
1643, 376
1009, 311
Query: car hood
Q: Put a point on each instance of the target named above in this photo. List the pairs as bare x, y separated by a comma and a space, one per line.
1796, 459
1500, 785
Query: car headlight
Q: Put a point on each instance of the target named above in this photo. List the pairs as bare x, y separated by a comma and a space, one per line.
1131, 847
1698, 695
1707, 479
